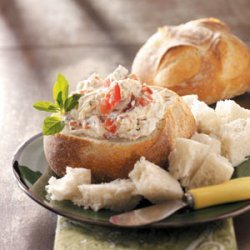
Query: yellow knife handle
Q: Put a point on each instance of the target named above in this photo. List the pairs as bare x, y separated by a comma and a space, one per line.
229, 191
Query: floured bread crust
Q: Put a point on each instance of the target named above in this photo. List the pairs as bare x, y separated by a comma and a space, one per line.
199, 57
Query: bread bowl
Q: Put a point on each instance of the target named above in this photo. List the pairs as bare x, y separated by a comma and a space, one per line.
200, 57
109, 154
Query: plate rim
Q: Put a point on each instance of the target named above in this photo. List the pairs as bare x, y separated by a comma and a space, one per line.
99, 222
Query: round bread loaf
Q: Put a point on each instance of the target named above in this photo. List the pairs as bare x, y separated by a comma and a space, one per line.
199, 57
113, 159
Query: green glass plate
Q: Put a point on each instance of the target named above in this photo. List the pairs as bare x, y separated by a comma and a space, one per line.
32, 173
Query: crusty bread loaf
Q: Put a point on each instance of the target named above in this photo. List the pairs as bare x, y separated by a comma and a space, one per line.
199, 57
112, 159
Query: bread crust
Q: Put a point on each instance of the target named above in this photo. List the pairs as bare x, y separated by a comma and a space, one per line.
200, 57
109, 159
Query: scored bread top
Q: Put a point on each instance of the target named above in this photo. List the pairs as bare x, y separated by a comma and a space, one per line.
199, 57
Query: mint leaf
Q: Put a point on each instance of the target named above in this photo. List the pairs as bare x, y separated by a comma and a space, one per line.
46, 106
59, 100
61, 85
28, 174
71, 102
52, 125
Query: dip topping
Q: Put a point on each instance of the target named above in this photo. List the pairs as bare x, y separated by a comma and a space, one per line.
119, 106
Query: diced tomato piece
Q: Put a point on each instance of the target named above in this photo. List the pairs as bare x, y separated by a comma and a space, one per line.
117, 94
146, 89
113, 97
110, 125
143, 101
105, 107
133, 77
149, 97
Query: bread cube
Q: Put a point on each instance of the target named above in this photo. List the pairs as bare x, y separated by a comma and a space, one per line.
235, 138
154, 183
206, 119
186, 158
190, 99
66, 187
118, 195
229, 110
215, 169
209, 140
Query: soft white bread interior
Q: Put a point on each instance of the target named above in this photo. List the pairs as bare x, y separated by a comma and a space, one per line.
200, 57
190, 99
75, 185
210, 140
228, 123
235, 137
66, 188
215, 169
229, 110
186, 158
154, 183
206, 118
197, 162
112, 159
118, 195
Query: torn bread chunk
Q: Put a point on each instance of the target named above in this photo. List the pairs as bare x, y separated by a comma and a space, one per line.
235, 138
154, 183
209, 140
206, 118
215, 169
66, 188
118, 195
186, 158
229, 110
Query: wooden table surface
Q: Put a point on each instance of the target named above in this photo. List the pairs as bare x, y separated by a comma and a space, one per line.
38, 39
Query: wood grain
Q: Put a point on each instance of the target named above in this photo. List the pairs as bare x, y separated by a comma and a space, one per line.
39, 39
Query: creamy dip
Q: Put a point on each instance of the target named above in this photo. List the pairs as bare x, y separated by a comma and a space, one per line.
117, 107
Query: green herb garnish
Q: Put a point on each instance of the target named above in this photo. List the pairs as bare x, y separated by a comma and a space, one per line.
62, 104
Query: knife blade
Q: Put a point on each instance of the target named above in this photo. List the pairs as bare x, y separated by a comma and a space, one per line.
147, 215
229, 191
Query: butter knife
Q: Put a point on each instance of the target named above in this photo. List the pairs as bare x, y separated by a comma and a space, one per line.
229, 191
